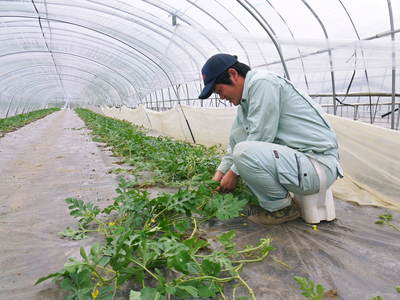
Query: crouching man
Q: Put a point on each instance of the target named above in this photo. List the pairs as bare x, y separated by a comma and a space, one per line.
278, 136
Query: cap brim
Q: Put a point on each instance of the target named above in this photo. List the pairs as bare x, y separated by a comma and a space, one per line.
207, 90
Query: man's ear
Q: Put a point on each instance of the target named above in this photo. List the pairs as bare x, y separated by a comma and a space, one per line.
233, 74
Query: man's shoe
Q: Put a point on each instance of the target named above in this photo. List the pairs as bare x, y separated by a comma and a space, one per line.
261, 216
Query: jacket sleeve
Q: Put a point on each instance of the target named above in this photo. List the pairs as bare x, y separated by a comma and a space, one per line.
264, 110
227, 160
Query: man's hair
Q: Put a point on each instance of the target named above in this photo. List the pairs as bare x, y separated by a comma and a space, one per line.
241, 68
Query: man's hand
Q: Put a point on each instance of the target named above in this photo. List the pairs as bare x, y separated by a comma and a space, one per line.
228, 182
218, 175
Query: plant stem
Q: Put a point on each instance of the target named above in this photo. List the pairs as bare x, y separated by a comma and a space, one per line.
107, 269
206, 277
222, 293
265, 242
103, 281
241, 261
394, 226
249, 289
277, 260
115, 289
194, 229
144, 267
234, 291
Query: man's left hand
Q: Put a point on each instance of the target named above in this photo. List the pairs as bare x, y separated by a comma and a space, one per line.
228, 182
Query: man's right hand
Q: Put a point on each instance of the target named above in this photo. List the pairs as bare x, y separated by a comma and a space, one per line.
227, 181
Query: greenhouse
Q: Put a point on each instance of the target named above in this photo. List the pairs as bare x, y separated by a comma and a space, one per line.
131, 168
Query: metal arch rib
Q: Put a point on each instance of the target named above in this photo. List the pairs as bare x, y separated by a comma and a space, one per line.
16, 73
47, 46
221, 24
195, 47
45, 87
38, 81
141, 24
292, 34
277, 46
240, 22
329, 53
66, 53
107, 44
363, 56
46, 84
114, 38
168, 9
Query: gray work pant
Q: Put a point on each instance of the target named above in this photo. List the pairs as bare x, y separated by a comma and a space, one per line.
272, 170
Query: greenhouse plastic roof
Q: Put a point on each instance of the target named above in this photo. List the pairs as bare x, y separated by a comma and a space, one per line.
118, 52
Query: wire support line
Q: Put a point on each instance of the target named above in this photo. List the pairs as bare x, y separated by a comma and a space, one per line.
322, 51
48, 48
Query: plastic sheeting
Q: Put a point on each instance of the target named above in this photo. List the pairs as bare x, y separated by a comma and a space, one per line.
370, 155
41, 164
352, 256
109, 52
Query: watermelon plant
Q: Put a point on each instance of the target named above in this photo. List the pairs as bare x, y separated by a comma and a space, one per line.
158, 244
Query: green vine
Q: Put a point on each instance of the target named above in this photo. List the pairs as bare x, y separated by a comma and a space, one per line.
157, 243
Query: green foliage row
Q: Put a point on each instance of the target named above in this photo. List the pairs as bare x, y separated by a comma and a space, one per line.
15, 122
157, 244
172, 161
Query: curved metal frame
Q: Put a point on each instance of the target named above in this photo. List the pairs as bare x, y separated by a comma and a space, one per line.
143, 72
69, 54
114, 38
329, 53
292, 35
145, 58
277, 45
19, 73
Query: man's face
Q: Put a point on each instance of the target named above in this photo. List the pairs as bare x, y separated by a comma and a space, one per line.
231, 93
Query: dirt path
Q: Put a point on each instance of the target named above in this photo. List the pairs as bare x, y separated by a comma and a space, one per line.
41, 164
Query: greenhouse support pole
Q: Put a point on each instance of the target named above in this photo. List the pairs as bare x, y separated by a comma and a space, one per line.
9, 106
163, 99
147, 116
393, 63
23, 108
170, 99
151, 101
187, 94
176, 91
187, 123
157, 102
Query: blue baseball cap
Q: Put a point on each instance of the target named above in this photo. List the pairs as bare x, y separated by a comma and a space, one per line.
213, 67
